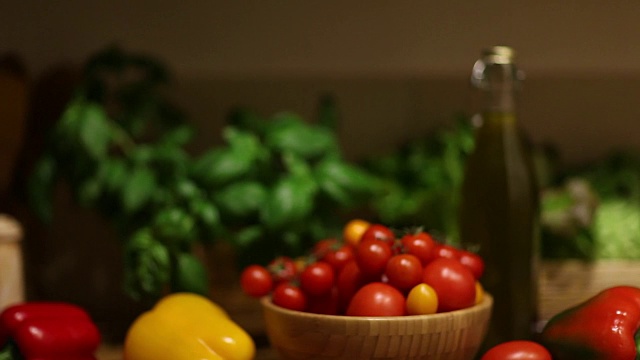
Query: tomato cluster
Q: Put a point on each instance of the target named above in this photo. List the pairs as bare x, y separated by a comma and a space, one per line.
371, 271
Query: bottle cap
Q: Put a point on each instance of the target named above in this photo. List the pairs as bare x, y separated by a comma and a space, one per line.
498, 55
495, 56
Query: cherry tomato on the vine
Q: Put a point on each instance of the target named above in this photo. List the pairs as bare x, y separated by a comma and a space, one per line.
422, 300
473, 262
256, 281
421, 245
322, 247
453, 282
289, 297
446, 251
317, 278
350, 279
517, 350
377, 299
353, 230
372, 256
282, 269
404, 271
337, 258
327, 304
378, 232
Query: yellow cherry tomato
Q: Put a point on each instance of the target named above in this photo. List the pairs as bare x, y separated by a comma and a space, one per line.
301, 263
422, 300
353, 231
479, 292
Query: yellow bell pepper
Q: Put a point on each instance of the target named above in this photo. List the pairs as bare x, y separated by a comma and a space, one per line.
185, 326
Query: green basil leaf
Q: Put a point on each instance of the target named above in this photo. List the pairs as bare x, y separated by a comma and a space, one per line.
174, 224
170, 161
191, 275
67, 129
295, 164
328, 112
142, 154
241, 198
248, 236
245, 145
89, 191
147, 264
40, 187
95, 132
114, 174
345, 183
207, 215
397, 203
246, 119
187, 190
291, 200
140, 187
291, 133
180, 135
237, 160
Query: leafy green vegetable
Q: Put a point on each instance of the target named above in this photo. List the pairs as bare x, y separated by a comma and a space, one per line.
587, 212
191, 275
599, 218
617, 230
422, 180
276, 185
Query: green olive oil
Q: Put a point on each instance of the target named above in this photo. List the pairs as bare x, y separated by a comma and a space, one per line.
499, 207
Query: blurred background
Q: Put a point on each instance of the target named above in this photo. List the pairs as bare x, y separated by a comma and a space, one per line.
397, 70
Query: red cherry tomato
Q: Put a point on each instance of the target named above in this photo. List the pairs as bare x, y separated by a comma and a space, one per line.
517, 350
317, 278
256, 281
453, 282
337, 258
446, 251
372, 256
421, 245
473, 262
377, 299
349, 281
289, 297
282, 269
327, 304
404, 271
324, 246
378, 232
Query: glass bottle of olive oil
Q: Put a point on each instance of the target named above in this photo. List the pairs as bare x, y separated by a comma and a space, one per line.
499, 202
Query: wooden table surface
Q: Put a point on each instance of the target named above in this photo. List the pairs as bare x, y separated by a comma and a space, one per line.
114, 352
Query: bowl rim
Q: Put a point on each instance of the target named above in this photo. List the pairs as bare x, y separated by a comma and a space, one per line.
486, 303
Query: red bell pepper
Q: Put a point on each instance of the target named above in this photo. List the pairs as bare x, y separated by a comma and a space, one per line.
47, 331
604, 327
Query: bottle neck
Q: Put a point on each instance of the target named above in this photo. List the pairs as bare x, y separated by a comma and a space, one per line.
501, 100
498, 85
492, 120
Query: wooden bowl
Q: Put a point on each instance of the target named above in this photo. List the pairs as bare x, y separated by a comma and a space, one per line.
455, 335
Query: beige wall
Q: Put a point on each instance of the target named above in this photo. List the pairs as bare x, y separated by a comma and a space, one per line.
397, 67
389, 62
329, 38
